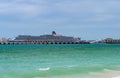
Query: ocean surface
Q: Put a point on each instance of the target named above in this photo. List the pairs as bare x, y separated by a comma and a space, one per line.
58, 60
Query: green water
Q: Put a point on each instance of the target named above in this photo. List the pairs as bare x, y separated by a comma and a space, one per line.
47, 61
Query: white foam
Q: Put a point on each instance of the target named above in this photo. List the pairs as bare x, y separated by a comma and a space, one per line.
44, 69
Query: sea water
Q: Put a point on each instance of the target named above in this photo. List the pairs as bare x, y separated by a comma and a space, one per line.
58, 60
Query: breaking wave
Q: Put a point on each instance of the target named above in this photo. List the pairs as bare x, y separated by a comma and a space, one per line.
44, 69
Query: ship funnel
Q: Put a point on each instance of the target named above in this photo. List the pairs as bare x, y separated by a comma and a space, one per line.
53, 33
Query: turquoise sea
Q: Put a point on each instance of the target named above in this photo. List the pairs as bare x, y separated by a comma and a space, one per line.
57, 60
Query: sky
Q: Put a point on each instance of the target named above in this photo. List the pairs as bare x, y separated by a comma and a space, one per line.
88, 19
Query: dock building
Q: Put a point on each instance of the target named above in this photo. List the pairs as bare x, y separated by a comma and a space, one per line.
112, 41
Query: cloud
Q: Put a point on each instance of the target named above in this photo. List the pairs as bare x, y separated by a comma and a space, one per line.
78, 13
21, 7
64, 8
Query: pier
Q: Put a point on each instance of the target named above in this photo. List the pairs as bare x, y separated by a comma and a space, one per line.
40, 42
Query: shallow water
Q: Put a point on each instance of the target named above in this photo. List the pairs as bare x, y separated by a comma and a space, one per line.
50, 61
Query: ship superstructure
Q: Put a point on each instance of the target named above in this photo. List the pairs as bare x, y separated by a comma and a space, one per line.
49, 38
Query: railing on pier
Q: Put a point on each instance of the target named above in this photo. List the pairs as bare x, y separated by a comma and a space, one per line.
43, 42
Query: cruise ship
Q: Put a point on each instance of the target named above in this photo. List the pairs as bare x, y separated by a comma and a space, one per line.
46, 39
